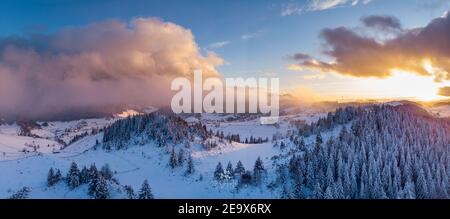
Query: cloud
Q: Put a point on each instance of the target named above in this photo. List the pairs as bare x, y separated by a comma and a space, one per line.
444, 91
319, 5
300, 56
219, 44
423, 51
314, 76
300, 95
294, 67
248, 36
382, 22
101, 64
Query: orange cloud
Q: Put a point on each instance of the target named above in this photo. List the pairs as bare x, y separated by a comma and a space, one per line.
362, 56
105, 63
444, 91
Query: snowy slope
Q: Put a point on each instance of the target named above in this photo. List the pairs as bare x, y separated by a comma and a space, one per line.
138, 162
132, 166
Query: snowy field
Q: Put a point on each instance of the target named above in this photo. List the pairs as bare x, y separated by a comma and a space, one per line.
25, 161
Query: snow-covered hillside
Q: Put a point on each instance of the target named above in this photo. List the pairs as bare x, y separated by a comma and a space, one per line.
185, 158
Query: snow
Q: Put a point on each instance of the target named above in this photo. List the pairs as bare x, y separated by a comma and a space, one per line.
254, 127
127, 113
441, 111
138, 162
132, 166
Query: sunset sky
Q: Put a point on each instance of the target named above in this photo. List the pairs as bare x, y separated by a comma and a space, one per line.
331, 49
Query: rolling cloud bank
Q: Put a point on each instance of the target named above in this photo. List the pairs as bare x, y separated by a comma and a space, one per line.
102, 64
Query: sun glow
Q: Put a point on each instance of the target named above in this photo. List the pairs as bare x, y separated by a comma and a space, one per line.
405, 84
401, 85
428, 66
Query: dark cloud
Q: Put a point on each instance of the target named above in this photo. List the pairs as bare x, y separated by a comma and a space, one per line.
444, 91
362, 56
101, 64
300, 57
381, 22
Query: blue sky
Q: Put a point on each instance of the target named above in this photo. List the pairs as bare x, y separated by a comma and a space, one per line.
255, 37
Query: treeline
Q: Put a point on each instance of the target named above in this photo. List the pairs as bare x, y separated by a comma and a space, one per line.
162, 129
339, 117
243, 176
99, 182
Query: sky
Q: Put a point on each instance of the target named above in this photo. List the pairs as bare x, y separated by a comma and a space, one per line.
325, 48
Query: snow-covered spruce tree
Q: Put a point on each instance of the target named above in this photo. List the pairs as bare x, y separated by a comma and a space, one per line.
173, 159
92, 172
50, 176
129, 191
53, 177
317, 192
301, 145
281, 174
246, 178
146, 191
298, 191
329, 193
73, 176
22, 193
218, 172
258, 171
285, 193
101, 190
84, 175
230, 169
240, 169
190, 166
93, 183
58, 176
181, 157
106, 172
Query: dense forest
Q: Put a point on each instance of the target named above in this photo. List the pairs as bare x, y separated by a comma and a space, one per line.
382, 152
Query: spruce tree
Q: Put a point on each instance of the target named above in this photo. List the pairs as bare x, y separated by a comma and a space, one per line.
146, 191
93, 184
298, 191
329, 193
84, 175
190, 166
317, 192
58, 176
106, 172
240, 169
218, 172
73, 177
173, 159
181, 157
93, 172
129, 192
421, 186
285, 194
230, 169
22, 193
51, 177
258, 171
101, 191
